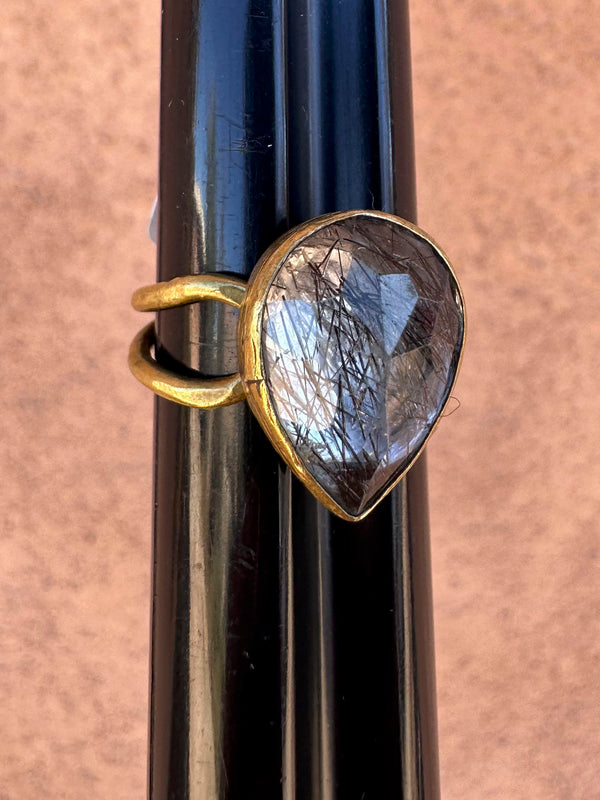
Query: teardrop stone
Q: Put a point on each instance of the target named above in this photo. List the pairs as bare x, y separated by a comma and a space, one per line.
362, 332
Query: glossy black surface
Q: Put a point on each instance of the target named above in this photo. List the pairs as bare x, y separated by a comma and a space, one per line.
291, 652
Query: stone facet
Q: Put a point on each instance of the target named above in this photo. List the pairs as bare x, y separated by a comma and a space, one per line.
362, 332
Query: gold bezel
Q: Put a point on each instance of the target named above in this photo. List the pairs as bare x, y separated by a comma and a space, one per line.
250, 349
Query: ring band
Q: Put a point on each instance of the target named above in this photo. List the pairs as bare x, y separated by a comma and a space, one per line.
196, 392
350, 337
188, 289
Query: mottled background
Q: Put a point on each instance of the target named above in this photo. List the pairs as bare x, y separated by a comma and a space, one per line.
507, 124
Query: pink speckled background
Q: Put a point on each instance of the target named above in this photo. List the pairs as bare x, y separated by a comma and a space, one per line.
507, 123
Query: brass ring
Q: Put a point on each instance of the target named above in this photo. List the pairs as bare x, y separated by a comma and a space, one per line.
196, 392
350, 336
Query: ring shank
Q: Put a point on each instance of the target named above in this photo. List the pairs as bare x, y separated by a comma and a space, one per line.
187, 289
195, 392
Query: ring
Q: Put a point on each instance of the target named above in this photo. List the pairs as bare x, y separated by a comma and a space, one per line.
350, 337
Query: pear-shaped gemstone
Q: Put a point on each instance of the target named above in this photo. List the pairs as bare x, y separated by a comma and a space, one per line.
362, 332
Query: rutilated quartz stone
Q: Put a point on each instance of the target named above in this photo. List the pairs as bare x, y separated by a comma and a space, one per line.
362, 332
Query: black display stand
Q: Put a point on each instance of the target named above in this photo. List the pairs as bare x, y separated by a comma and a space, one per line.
292, 653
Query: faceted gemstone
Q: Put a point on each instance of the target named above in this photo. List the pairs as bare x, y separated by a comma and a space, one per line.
362, 332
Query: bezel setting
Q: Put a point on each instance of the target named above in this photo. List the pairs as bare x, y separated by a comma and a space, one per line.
253, 371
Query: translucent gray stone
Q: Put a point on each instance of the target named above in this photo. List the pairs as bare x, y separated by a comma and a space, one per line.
362, 332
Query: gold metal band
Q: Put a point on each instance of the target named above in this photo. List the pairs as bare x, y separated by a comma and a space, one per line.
196, 392
189, 289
